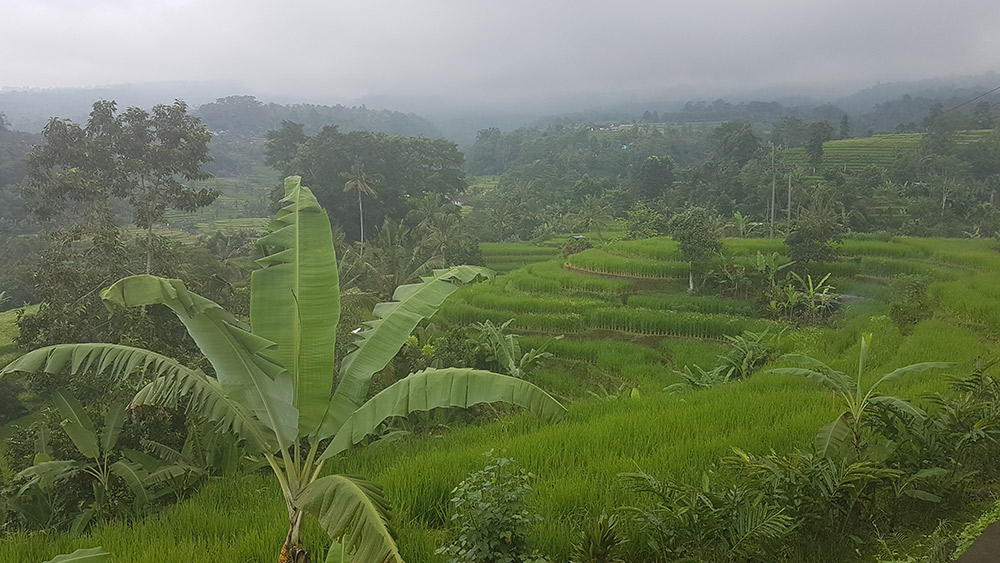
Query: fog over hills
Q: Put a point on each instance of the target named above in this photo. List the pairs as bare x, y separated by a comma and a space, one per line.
516, 59
28, 109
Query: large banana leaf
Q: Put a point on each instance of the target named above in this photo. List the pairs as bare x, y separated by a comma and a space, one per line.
204, 397
925, 366
90, 555
135, 477
899, 405
380, 339
245, 375
77, 424
295, 300
831, 437
113, 423
119, 361
834, 380
47, 472
353, 511
437, 388
174, 384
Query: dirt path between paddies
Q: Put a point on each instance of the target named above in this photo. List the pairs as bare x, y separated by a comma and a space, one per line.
986, 549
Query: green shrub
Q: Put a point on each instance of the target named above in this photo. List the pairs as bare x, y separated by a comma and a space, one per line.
910, 304
492, 519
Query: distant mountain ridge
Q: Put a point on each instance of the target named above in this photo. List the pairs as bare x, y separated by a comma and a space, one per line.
30, 109
882, 107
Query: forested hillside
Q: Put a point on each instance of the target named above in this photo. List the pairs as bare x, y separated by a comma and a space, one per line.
941, 182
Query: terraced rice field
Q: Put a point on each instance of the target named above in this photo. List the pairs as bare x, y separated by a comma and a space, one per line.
623, 331
853, 155
504, 256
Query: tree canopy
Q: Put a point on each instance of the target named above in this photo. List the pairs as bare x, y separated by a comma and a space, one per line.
408, 167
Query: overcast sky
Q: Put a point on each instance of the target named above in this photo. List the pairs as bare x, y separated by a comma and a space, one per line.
335, 51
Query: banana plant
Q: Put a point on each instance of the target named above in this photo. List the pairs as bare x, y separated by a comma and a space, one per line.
100, 462
504, 349
273, 382
848, 427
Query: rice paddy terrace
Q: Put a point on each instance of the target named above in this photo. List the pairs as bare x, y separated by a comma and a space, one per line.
628, 322
853, 155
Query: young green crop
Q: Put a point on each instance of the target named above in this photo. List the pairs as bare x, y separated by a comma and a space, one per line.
601, 262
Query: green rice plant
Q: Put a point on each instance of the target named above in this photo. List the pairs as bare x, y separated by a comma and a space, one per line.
575, 281
599, 261
660, 323
899, 248
518, 249
660, 248
525, 280
599, 541
492, 297
893, 267
691, 351
837, 269
460, 313
576, 461
695, 303
751, 246
976, 299
506, 256
609, 354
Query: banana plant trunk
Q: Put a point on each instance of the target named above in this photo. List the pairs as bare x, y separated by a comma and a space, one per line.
293, 551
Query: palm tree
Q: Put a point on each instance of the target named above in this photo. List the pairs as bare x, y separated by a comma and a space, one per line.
362, 183
273, 384
398, 257
591, 216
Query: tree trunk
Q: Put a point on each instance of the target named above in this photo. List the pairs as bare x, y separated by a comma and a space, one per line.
293, 551
691, 280
788, 222
773, 182
149, 249
361, 216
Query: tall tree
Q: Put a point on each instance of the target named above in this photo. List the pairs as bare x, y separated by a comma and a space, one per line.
140, 157
819, 133
656, 176
408, 167
697, 234
359, 181
737, 141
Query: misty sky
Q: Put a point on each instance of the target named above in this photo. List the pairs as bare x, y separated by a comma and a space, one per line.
335, 52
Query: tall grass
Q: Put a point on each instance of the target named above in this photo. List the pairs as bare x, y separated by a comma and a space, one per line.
671, 323
506, 256
241, 519
500, 297
660, 248
602, 262
551, 277
976, 299
695, 303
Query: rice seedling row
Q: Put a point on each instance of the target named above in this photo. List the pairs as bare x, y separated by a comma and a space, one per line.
663, 323
601, 262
